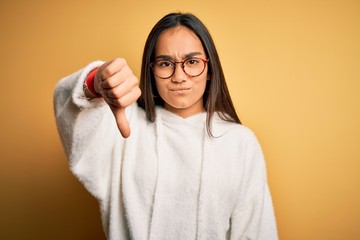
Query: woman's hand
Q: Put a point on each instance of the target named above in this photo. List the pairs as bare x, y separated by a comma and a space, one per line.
118, 86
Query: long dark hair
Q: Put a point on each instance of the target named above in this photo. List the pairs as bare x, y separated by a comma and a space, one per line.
216, 96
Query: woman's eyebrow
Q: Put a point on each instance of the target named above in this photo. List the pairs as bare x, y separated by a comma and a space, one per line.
186, 56
166, 57
193, 54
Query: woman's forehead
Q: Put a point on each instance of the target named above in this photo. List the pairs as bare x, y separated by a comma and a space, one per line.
178, 41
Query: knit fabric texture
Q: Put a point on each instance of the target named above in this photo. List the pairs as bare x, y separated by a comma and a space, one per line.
169, 179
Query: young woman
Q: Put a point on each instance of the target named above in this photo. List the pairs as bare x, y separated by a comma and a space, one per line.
188, 169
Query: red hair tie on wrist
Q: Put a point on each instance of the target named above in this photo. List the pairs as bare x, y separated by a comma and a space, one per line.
88, 85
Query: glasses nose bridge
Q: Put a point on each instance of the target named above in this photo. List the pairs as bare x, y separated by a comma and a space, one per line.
181, 65
179, 62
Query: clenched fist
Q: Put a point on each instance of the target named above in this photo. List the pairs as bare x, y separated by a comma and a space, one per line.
118, 86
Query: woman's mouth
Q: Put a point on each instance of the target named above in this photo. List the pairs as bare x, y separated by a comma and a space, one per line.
179, 89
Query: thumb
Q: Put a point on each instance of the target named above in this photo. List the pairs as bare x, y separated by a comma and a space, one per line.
121, 121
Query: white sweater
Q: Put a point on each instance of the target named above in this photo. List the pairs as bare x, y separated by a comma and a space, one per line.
169, 179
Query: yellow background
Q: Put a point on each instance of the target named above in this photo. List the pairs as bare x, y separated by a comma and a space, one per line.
293, 68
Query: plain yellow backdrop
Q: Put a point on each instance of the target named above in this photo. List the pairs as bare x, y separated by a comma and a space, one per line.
293, 69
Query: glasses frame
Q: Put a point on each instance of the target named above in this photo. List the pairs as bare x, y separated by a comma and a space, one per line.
205, 61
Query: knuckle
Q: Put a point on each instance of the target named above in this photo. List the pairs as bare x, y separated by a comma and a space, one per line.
120, 61
111, 81
107, 71
116, 92
134, 80
121, 102
110, 93
138, 92
128, 71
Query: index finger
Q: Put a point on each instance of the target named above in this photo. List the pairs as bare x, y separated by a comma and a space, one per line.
110, 68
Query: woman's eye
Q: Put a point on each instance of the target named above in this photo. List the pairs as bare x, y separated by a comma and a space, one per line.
192, 61
164, 64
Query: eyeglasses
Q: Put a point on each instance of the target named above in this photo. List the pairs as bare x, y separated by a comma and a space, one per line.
192, 67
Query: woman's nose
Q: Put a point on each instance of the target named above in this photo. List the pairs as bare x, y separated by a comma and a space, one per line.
179, 74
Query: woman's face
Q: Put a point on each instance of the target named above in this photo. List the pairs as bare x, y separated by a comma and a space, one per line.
182, 94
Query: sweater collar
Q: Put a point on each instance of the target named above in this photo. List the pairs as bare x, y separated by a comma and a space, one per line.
218, 126
169, 117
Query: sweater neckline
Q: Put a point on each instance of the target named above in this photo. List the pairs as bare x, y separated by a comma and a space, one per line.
169, 117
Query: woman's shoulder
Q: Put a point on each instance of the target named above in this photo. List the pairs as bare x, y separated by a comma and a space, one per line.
221, 127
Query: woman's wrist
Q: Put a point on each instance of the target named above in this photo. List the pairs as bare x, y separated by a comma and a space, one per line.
88, 85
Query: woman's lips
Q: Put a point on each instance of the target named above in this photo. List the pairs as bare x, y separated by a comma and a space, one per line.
180, 89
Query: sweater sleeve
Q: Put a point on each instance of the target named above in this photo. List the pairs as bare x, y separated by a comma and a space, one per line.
253, 217
88, 132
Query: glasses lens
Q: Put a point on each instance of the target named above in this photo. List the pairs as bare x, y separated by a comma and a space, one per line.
163, 68
194, 66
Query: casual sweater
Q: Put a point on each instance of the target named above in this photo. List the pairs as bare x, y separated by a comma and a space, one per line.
169, 179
